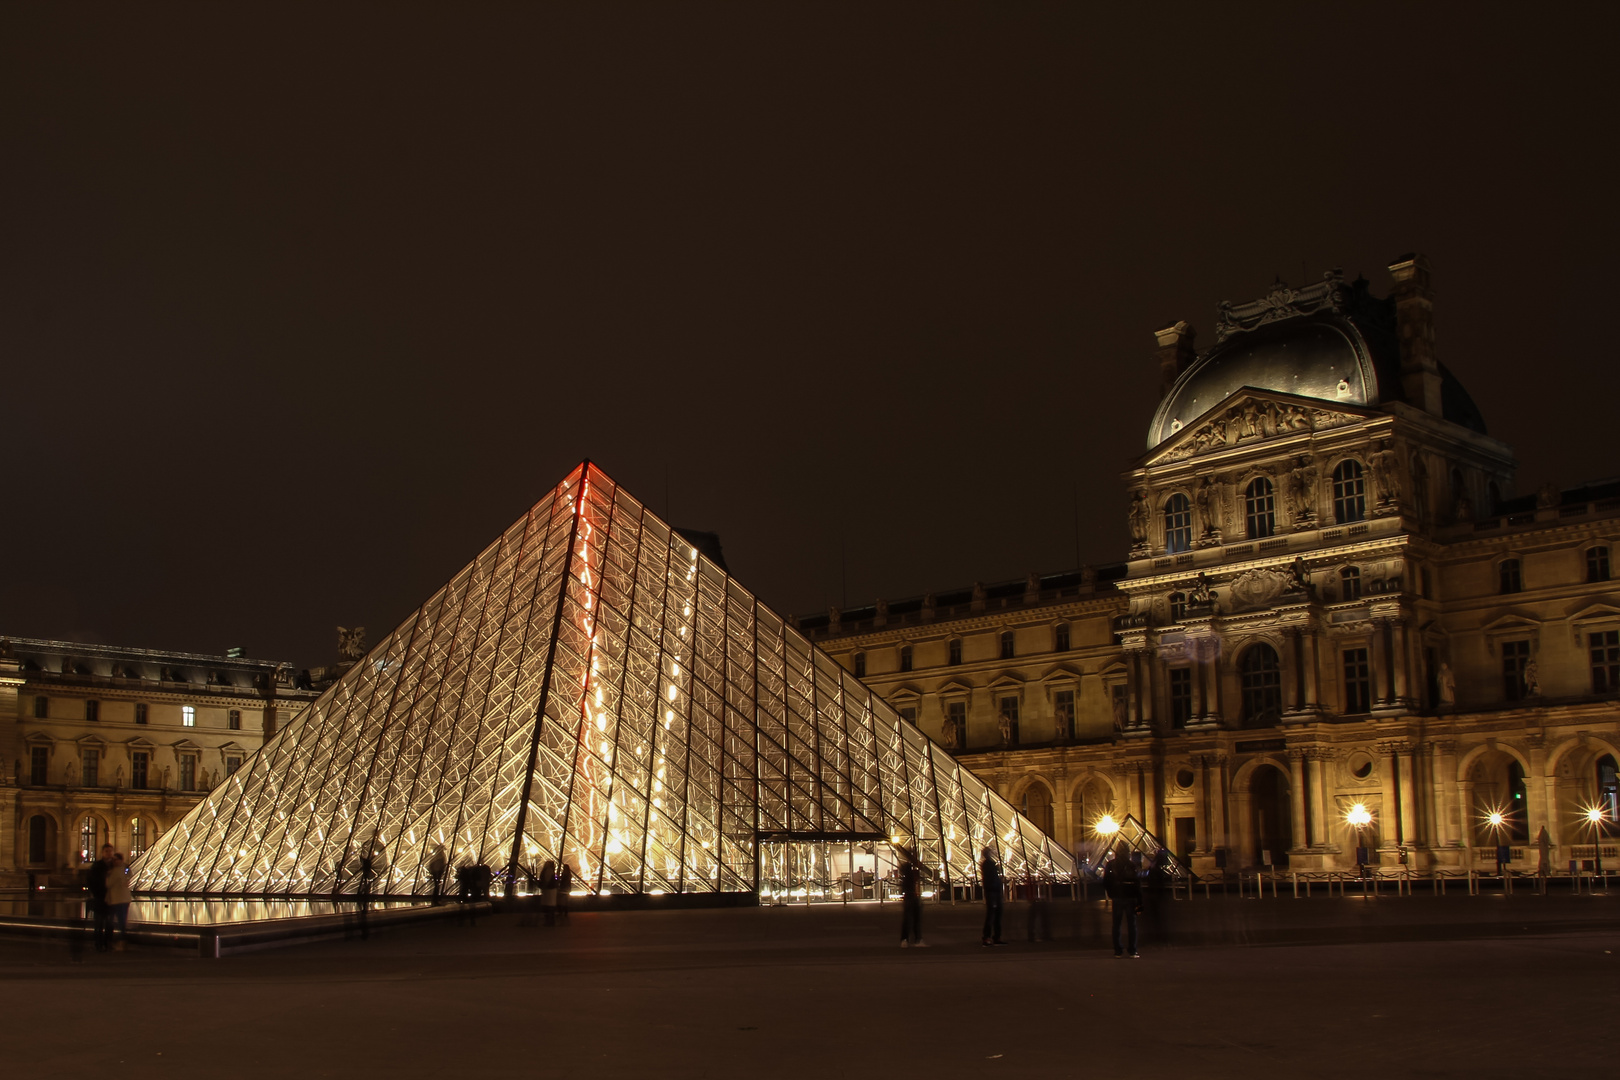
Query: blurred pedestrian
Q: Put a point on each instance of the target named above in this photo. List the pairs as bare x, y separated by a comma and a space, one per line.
1040, 915
990, 878
548, 892
910, 901
118, 900
100, 916
1124, 897
565, 883
436, 866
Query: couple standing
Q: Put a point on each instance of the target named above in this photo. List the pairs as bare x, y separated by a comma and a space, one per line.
110, 899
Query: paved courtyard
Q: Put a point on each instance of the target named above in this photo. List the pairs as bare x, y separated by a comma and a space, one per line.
825, 992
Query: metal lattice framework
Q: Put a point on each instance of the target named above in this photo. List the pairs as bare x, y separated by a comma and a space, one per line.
589, 689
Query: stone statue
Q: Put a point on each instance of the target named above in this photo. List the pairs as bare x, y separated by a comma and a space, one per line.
1300, 493
1139, 518
165, 778
835, 620
351, 643
1448, 685
1005, 723
882, 609
1532, 678
1119, 708
1465, 508
929, 606
1088, 574
1299, 579
1200, 594
948, 733
1549, 496
284, 674
118, 777
72, 773
1206, 506
5, 648
1386, 474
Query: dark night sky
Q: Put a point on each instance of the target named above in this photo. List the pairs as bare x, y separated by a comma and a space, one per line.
297, 312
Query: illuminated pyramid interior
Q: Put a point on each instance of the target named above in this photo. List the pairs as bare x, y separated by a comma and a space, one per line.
591, 689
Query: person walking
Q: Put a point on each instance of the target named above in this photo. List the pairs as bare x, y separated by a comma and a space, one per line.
97, 884
1124, 898
910, 901
990, 877
118, 900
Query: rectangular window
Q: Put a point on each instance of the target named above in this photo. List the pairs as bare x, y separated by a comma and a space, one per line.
1007, 650
233, 719
905, 658
137, 836
188, 772
1060, 638
42, 708
232, 762
1357, 681
1605, 652
956, 651
39, 765
956, 725
1597, 564
1063, 711
92, 710
140, 712
188, 717
1515, 655
1008, 709
1181, 698
1509, 577
90, 771
138, 762
860, 673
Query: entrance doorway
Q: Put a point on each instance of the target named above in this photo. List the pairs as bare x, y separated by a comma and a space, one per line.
1271, 820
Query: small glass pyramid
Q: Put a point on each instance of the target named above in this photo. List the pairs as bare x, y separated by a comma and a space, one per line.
591, 690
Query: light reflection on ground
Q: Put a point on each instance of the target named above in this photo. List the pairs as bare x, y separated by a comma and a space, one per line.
194, 912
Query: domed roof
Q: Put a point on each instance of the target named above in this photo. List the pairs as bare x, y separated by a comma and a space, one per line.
1329, 341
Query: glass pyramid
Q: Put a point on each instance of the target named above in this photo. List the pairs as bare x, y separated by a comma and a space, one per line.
590, 689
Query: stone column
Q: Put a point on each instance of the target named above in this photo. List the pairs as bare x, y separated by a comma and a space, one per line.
1293, 672
1465, 813
1133, 692
1445, 782
1389, 826
1549, 787
1296, 802
1200, 676
1218, 832
1398, 651
1411, 828
1150, 687
1201, 842
1319, 800
1313, 697
1243, 835
1537, 812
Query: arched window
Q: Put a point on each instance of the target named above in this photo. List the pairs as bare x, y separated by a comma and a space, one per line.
87, 840
1178, 606
1007, 650
1350, 583
860, 665
37, 831
1261, 509
1262, 686
1178, 524
954, 651
1349, 492
1060, 637
1038, 807
905, 658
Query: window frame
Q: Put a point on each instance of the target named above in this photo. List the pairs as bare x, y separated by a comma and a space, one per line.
1012, 715
42, 707
953, 652
1176, 514
188, 716
1349, 492
140, 769
858, 662
1355, 673
39, 765
1349, 583
1179, 687
1260, 508
233, 719
1260, 689
1060, 638
1509, 576
1008, 645
1515, 654
906, 658
1597, 564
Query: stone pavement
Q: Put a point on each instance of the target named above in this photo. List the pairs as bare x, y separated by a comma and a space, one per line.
826, 992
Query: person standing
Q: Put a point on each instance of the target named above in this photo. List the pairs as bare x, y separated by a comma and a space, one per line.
97, 884
1124, 898
990, 877
548, 892
910, 901
565, 882
118, 900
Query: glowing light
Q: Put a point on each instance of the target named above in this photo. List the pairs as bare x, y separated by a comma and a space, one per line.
1358, 815
607, 748
1106, 826
672, 691
1594, 814
601, 722
1495, 819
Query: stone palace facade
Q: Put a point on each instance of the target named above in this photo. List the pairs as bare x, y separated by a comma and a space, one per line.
1332, 600
100, 744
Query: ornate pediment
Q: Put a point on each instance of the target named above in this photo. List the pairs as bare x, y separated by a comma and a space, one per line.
1282, 302
1248, 420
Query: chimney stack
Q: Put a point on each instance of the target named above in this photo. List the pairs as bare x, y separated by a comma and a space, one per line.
1176, 353
1414, 327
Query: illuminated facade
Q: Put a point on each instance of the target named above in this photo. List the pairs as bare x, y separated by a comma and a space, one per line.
591, 689
1331, 602
101, 744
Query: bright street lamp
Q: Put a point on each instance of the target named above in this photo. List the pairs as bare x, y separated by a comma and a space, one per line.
1358, 817
1106, 826
1594, 818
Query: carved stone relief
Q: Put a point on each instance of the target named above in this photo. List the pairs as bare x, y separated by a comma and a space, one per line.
1254, 419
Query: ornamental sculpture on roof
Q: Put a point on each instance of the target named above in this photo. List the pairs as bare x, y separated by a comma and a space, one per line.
1281, 302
